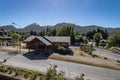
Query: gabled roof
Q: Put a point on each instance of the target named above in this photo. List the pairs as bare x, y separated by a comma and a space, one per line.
29, 38
47, 40
39, 38
44, 40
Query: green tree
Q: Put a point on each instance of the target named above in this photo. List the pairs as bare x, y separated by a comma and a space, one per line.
24, 36
114, 40
15, 36
31, 32
53, 32
85, 40
89, 35
78, 38
4, 36
105, 34
72, 35
35, 33
48, 32
98, 30
42, 33
4, 39
97, 38
58, 32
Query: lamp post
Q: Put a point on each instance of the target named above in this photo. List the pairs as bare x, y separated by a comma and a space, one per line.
20, 34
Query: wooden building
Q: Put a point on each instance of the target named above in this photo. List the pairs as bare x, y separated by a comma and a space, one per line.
5, 41
47, 42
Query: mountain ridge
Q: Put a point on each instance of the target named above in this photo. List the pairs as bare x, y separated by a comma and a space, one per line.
82, 29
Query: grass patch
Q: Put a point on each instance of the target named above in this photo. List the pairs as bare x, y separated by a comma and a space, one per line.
20, 73
84, 54
14, 51
70, 59
24, 74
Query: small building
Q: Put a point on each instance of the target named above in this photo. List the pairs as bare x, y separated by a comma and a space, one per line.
103, 42
5, 41
91, 43
3, 32
47, 42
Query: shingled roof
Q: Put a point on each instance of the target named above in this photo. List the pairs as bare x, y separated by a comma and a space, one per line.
44, 40
29, 39
39, 38
48, 40
58, 39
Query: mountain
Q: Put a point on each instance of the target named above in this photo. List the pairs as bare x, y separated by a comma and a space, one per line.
82, 29
34, 27
59, 25
85, 29
9, 28
111, 31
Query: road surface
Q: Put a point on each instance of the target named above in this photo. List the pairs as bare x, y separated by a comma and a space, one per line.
70, 69
108, 53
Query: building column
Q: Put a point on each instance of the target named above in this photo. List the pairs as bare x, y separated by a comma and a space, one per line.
46, 48
29, 49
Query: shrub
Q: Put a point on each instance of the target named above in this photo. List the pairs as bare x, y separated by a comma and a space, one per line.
113, 49
80, 78
88, 49
102, 44
26, 74
107, 46
53, 75
62, 50
2, 69
33, 75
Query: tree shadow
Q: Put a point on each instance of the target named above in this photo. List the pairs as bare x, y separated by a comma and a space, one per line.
43, 54
12, 53
68, 51
71, 53
37, 55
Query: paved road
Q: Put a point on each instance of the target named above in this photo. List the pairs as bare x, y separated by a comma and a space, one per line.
108, 53
71, 69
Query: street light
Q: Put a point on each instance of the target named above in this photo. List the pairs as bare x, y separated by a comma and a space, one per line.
18, 26
20, 33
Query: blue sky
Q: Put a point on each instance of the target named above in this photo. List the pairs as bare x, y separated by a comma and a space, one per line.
50, 12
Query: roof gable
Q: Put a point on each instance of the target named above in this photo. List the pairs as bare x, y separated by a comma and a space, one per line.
44, 40
39, 38
29, 39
